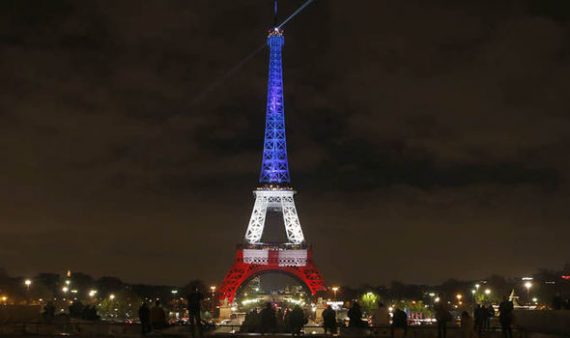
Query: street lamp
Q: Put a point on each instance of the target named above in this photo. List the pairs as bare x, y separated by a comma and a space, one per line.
487, 291
28, 282
213, 289
65, 289
528, 285
111, 296
92, 293
335, 289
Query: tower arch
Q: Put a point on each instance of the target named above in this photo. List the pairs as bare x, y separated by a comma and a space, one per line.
248, 263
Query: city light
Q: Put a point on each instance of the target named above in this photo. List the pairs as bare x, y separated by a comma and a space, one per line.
92, 293
65, 289
334, 289
436, 299
28, 282
487, 291
213, 288
174, 292
459, 296
473, 291
528, 285
111, 296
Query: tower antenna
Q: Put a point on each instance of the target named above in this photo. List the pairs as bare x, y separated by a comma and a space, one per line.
275, 18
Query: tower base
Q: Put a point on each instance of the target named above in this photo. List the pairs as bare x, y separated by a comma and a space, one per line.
255, 260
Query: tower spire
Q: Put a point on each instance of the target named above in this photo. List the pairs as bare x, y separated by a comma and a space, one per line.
274, 163
275, 18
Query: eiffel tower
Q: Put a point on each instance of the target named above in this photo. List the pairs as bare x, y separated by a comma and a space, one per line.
274, 194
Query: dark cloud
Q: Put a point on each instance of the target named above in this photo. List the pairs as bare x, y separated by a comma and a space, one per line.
420, 134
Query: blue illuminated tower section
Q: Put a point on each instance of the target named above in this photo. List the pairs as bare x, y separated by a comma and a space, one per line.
274, 165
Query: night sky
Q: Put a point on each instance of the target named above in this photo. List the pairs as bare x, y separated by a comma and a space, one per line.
427, 139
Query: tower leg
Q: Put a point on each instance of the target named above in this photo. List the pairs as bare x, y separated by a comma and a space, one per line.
291, 220
257, 220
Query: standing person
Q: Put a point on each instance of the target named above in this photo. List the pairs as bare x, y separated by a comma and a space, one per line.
194, 307
489, 314
157, 316
466, 325
297, 320
506, 317
268, 319
355, 316
480, 314
144, 317
399, 323
380, 318
329, 320
442, 316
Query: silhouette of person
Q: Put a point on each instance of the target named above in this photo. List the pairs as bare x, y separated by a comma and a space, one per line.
329, 320
399, 323
380, 316
466, 325
280, 320
49, 311
480, 314
144, 317
489, 314
557, 302
194, 307
157, 316
506, 317
442, 316
268, 319
297, 320
355, 316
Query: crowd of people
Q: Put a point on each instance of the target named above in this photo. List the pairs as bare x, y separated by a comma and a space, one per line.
269, 320
471, 326
154, 318
292, 320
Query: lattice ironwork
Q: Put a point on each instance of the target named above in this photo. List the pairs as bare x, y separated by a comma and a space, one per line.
274, 164
280, 200
293, 257
277, 261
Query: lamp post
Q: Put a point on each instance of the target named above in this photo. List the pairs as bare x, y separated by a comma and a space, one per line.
335, 289
528, 285
28, 283
213, 290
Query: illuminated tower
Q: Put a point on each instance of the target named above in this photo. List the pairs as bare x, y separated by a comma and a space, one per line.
274, 194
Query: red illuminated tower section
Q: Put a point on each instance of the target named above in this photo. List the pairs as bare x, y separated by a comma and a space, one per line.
274, 194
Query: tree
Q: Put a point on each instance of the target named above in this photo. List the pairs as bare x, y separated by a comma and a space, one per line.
369, 302
122, 305
193, 285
